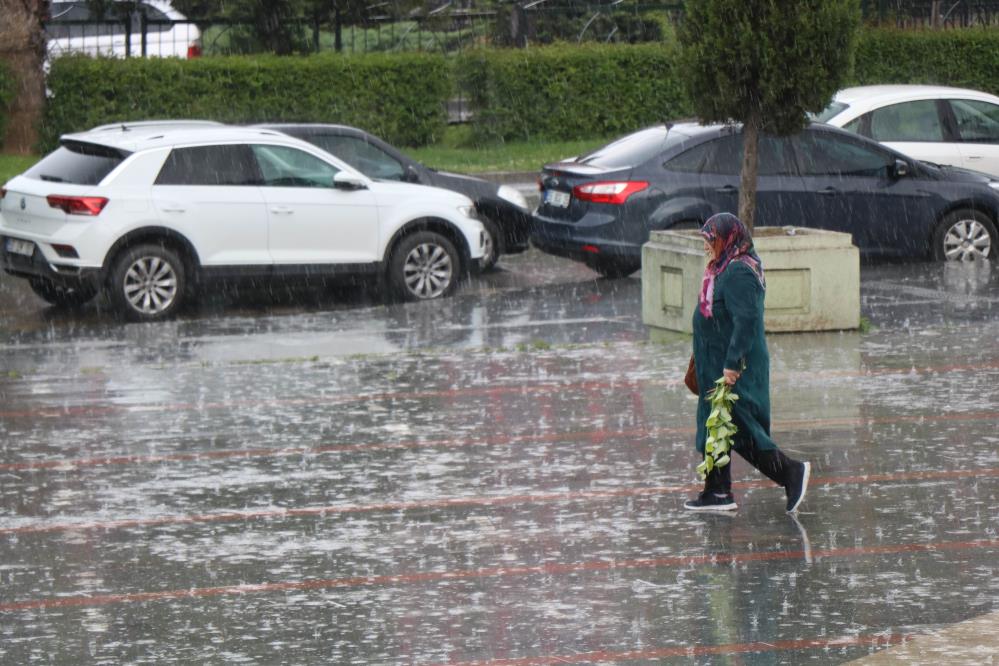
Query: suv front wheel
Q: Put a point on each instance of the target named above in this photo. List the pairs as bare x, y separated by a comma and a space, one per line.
424, 265
147, 282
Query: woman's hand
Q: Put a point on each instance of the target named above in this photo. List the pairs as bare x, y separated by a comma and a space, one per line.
731, 376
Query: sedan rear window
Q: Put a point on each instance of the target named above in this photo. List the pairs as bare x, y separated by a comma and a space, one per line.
634, 149
77, 162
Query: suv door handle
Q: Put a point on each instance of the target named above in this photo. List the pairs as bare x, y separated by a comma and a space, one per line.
282, 210
829, 191
728, 189
173, 208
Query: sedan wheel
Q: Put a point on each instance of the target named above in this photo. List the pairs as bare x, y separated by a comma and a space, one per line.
148, 283
965, 235
425, 265
492, 247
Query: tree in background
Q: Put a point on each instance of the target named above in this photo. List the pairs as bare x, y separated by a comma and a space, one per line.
22, 49
277, 25
765, 64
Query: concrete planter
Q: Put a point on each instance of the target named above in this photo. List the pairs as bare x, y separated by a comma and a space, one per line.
813, 279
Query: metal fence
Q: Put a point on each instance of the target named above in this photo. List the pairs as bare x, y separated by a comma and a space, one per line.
931, 13
448, 30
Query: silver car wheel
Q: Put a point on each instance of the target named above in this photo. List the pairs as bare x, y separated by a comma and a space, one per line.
488, 249
150, 285
967, 239
428, 270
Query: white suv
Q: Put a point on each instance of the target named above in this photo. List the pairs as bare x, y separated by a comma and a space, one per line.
145, 213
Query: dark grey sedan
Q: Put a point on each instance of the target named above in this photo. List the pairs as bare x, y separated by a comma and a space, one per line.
503, 210
600, 208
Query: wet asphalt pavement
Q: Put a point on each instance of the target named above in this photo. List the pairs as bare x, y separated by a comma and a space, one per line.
301, 476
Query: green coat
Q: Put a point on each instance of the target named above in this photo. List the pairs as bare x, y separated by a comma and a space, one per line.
733, 338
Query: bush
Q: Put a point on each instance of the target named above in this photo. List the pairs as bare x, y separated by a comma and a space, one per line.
6, 97
571, 92
399, 97
966, 58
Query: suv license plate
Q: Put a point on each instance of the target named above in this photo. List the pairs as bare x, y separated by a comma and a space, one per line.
17, 246
556, 198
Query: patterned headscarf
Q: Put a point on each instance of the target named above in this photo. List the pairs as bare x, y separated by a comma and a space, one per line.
737, 245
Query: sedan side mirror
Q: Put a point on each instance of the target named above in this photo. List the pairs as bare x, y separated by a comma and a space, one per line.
411, 175
900, 169
348, 181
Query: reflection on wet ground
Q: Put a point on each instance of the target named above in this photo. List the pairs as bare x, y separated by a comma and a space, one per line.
492, 479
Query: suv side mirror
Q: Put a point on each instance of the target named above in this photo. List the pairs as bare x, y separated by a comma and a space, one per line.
900, 169
348, 181
411, 175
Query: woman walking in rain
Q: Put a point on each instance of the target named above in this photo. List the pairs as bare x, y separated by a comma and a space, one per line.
729, 342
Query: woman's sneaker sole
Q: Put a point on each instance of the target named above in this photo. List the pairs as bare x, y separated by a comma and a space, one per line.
791, 508
696, 505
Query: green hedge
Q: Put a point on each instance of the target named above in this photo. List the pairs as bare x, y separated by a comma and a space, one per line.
570, 92
558, 92
6, 96
399, 97
967, 58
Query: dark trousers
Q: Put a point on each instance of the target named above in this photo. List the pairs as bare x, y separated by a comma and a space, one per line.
772, 463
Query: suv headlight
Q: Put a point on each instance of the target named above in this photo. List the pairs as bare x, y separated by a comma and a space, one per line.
469, 211
994, 184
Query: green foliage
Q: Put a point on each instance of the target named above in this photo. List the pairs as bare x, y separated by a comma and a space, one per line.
967, 58
568, 92
6, 96
720, 428
770, 59
399, 97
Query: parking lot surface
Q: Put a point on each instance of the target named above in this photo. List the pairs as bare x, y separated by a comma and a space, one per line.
498, 478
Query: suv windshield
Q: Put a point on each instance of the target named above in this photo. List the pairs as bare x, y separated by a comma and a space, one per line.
831, 111
633, 149
77, 162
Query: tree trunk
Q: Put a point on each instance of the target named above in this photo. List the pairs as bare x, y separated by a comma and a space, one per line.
22, 49
747, 181
337, 30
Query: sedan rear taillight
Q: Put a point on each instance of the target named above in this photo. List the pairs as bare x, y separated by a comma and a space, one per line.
77, 205
609, 191
194, 50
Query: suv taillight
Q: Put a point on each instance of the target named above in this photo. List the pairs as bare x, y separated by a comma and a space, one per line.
77, 205
609, 191
194, 50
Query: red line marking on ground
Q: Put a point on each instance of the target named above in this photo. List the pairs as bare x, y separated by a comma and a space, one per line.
480, 501
555, 568
451, 394
69, 464
876, 640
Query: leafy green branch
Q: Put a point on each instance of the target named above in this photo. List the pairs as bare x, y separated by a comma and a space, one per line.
720, 428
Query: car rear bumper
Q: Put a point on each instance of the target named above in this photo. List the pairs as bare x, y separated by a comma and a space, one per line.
37, 266
581, 241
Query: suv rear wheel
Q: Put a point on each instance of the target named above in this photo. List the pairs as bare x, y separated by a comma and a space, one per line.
60, 295
424, 265
148, 282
